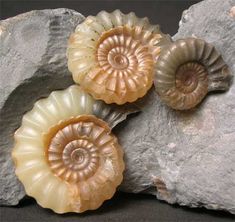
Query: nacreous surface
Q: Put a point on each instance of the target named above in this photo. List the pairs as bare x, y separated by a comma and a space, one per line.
113, 55
187, 70
67, 158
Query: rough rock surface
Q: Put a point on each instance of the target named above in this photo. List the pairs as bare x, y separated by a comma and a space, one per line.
33, 63
182, 157
188, 157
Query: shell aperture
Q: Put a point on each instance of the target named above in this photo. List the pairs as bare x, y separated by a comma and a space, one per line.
66, 157
187, 70
113, 55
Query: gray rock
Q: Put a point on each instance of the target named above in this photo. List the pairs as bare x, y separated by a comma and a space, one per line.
181, 157
188, 157
33, 63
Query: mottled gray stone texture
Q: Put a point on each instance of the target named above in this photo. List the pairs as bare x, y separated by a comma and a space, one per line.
181, 157
33, 63
188, 157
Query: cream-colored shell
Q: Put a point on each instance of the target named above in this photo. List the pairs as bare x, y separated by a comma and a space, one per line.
112, 55
41, 158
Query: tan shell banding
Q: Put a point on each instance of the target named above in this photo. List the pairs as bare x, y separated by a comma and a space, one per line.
67, 158
113, 55
187, 70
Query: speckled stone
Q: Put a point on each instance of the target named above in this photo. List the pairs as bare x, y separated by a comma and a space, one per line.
33, 63
188, 157
181, 157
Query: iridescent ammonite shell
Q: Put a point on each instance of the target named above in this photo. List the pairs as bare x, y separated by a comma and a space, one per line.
65, 156
112, 55
187, 70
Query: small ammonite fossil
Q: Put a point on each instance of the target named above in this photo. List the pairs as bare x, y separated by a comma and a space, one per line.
187, 70
113, 55
65, 156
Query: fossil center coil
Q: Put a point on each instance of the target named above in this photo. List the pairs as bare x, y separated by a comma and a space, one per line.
187, 70
65, 153
113, 55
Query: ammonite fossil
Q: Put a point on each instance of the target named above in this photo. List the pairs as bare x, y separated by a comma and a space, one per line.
187, 70
112, 55
65, 154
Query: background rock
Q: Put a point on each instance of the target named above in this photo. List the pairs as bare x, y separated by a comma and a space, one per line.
181, 157
33, 63
188, 157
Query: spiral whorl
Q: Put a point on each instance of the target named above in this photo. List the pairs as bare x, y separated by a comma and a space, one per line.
72, 153
187, 70
65, 153
112, 56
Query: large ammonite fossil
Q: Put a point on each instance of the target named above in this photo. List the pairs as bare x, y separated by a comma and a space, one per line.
112, 55
65, 156
187, 70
